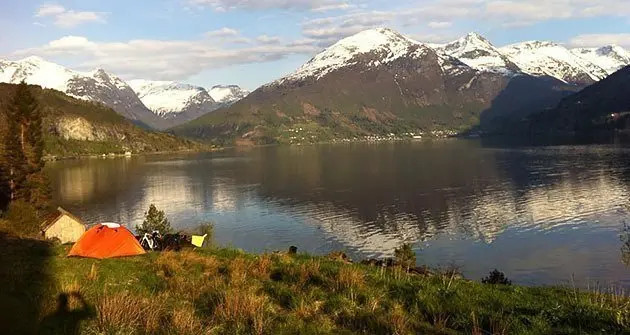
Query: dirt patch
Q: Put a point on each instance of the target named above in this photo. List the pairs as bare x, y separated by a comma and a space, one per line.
310, 109
244, 142
371, 113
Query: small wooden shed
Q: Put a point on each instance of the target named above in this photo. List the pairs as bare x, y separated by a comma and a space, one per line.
64, 226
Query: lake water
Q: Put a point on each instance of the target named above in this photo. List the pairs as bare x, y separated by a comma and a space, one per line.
539, 214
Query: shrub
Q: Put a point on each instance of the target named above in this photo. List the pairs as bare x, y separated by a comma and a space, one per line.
496, 277
405, 256
154, 219
21, 219
207, 228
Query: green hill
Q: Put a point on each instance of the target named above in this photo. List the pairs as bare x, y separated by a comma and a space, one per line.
75, 127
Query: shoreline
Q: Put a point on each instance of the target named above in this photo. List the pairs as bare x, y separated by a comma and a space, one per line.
52, 158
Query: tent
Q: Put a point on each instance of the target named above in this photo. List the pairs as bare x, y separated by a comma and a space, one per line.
106, 240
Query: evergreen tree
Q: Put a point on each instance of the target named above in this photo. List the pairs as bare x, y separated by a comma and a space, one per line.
24, 150
13, 156
37, 182
5, 190
154, 219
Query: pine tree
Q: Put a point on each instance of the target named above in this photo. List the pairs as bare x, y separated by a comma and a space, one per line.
4, 187
24, 150
13, 156
37, 182
154, 219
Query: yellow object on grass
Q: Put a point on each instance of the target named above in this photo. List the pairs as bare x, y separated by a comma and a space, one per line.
197, 240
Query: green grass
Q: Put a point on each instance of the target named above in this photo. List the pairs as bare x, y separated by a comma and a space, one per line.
227, 291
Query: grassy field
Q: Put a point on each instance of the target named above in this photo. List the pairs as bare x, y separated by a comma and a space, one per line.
226, 291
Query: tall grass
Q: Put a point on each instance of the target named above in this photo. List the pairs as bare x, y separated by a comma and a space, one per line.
124, 312
242, 309
215, 291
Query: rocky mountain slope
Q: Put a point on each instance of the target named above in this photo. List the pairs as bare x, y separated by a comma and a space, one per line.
97, 86
173, 101
611, 58
155, 104
477, 52
78, 127
550, 59
227, 94
603, 106
375, 82
538, 58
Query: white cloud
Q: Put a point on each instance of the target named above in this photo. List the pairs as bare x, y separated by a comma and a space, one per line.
598, 40
265, 39
314, 5
517, 12
49, 9
433, 38
223, 32
65, 18
167, 60
439, 24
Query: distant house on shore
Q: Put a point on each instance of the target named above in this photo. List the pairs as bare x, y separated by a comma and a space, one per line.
64, 226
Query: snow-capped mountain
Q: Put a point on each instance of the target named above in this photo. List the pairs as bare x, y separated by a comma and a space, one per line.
477, 52
579, 66
227, 94
389, 43
551, 59
98, 86
377, 81
611, 58
174, 101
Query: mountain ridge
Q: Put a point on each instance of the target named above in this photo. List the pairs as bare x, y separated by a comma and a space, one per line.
102, 87
603, 107
355, 89
174, 101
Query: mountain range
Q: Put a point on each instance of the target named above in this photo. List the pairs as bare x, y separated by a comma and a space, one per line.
381, 82
375, 82
156, 104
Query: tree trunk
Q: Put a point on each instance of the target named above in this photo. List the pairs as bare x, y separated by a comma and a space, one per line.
11, 185
22, 141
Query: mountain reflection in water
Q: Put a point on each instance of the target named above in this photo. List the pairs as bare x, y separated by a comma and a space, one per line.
539, 214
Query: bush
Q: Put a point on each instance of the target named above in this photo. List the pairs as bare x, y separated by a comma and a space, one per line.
496, 277
405, 256
21, 219
207, 228
154, 219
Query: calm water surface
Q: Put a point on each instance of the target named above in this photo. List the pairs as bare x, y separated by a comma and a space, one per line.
540, 215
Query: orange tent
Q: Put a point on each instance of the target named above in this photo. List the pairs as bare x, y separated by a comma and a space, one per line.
106, 240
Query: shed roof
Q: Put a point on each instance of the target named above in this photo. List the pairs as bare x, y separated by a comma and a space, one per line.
54, 216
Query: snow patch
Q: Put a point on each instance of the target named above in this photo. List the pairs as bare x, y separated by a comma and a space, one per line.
477, 52
547, 58
227, 94
611, 58
389, 43
166, 97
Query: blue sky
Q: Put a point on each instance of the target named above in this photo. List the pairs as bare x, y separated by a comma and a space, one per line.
251, 42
